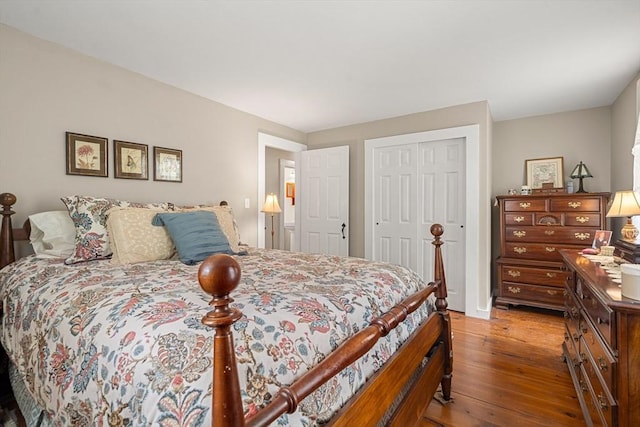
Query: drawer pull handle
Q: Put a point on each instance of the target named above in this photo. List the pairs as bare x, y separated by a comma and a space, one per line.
549, 232
602, 364
550, 292
575, 336
514, 290
519, 250
583, 386
550, 249
582, 219
519, 233
602, 321
574, 205
551, 275
525, 205
518, 219
603, 402
582, 236
513, 273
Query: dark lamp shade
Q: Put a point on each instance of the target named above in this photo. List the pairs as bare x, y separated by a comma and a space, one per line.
581, 171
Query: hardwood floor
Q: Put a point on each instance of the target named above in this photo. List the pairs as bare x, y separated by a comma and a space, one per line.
508, 371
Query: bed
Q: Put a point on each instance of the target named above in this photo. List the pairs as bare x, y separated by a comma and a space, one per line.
288, 338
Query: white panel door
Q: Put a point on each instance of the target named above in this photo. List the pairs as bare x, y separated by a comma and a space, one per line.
441, 196
395, 205
322, 198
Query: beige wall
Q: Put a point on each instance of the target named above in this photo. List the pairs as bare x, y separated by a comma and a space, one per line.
624, 117
46, 89
355, 135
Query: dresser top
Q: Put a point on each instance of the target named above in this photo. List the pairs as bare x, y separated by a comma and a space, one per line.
552, 195
608, 291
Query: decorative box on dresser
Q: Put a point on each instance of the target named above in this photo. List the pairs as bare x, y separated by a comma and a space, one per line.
601, 344
533, 230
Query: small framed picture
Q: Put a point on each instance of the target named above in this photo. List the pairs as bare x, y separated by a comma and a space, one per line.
545, 173
131, 160
601, 238
167, 165
86, 155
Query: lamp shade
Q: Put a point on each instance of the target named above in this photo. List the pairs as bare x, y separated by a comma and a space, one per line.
625, 204
271, 205
581, 171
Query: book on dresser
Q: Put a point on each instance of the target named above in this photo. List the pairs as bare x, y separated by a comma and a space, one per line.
602, 342
533, 230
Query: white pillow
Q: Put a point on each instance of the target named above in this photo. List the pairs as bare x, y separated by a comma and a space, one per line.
52, 233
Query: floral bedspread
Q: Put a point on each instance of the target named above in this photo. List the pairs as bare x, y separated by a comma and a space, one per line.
103, 345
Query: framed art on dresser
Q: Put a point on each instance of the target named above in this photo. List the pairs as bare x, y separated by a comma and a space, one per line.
131, 160
86, 155
545, 171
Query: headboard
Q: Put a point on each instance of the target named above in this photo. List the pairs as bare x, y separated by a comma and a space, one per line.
8, 234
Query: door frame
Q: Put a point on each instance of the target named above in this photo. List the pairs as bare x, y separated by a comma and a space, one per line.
478, 299
265, 140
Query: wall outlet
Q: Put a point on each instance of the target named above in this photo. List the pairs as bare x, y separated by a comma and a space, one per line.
247, 203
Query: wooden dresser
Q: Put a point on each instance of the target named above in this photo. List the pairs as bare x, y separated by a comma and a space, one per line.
533, 229
601, 344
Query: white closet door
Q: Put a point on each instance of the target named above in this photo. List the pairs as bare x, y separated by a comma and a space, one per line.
395, 205
441, 195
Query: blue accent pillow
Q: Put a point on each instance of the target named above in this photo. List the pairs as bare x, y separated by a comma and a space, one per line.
195, 234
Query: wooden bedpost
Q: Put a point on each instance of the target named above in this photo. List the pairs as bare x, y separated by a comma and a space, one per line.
218, 276
441, 306
7, 255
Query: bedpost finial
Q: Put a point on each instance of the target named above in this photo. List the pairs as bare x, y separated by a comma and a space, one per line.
219, 275
7, 200
437, 230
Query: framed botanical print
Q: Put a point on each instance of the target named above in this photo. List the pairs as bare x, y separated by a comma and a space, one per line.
86, 155
545, 171
131, 160
167, 165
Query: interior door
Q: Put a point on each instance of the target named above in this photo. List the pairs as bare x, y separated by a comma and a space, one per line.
441, 196
322, 200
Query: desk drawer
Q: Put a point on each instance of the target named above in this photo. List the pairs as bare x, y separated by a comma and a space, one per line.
601, 396
601, 358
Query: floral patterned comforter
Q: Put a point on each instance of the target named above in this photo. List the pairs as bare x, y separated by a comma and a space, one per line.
98, 344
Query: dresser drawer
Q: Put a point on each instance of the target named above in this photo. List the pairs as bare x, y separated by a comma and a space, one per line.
534, 275
542, 294
518, 218
599, 314
571, 343
586, 219
600, 360
599, 407
601, 396
536, 251
550, 234
570, 204
525, 205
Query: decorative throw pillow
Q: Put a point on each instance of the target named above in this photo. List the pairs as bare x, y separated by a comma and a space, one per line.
52, 233
196, 234
89, 215
226, 221
133, 238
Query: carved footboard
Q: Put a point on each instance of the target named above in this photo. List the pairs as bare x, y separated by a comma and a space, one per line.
220, 274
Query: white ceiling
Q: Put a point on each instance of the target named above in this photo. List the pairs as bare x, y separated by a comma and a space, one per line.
315, 65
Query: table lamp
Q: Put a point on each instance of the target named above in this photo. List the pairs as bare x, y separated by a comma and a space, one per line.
581, 171
626, 204
272, 207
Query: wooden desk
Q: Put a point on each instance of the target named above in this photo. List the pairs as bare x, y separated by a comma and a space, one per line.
602, 344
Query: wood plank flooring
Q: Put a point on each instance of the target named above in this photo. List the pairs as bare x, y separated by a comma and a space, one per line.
508, 371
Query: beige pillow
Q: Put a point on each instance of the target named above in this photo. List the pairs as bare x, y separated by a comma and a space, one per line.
226, 221
134, 239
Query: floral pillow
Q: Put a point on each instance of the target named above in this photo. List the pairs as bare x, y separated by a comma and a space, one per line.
89, 215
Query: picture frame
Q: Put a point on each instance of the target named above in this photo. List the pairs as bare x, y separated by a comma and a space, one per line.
167, 164
86, 155
601, 238
541, 172
290, 191
131, 160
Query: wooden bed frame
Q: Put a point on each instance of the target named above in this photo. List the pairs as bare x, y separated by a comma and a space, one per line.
421, 365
